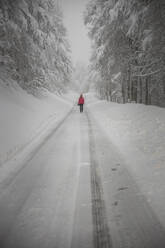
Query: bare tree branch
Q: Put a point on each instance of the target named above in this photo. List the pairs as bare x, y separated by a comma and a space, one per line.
147, 74
144, 66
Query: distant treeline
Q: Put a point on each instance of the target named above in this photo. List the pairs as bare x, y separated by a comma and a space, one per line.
128, 61
34, 49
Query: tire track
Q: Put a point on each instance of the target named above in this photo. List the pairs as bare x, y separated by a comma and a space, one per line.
133, 221
101, 233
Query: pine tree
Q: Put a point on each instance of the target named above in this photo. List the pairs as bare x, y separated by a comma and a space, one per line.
34, 47
128, 37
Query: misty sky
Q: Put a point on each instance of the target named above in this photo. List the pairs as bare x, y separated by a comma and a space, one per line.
77, 32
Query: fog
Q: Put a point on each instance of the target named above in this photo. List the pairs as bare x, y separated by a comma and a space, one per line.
77, 32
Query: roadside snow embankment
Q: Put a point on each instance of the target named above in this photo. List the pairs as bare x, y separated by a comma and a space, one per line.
138, 132
25, 118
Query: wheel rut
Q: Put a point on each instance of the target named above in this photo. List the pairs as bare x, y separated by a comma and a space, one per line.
101, 232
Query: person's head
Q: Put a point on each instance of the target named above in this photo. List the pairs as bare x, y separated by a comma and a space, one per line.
81, 95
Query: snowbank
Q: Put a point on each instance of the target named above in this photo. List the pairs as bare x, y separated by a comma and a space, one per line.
138, 132
23, 117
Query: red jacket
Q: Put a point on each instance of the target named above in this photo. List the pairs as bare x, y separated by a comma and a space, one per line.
81, 100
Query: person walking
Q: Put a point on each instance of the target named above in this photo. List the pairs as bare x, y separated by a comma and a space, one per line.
81, 103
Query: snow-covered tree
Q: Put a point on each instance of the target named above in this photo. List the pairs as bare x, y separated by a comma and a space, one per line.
80, 77
128, 37
33, 45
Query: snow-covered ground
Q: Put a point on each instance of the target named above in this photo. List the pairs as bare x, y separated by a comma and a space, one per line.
138, 132
26, 120
96, 178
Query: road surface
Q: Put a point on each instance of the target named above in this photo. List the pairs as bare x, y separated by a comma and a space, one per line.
76, 192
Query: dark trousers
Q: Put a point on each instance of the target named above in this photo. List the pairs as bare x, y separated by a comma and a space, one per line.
81, 108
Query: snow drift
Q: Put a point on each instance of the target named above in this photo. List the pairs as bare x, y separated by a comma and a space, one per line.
24, 117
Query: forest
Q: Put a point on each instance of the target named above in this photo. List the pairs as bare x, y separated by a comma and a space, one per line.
128, 51
128, 58
34, 49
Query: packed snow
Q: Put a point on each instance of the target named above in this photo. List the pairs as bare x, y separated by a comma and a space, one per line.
137, 131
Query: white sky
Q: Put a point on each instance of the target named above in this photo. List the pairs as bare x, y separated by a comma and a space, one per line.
77, 32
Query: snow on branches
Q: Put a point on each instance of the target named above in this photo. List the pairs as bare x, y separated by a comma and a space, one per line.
126, 33
33, 43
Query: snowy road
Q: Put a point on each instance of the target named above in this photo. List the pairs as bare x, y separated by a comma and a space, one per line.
76, 192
